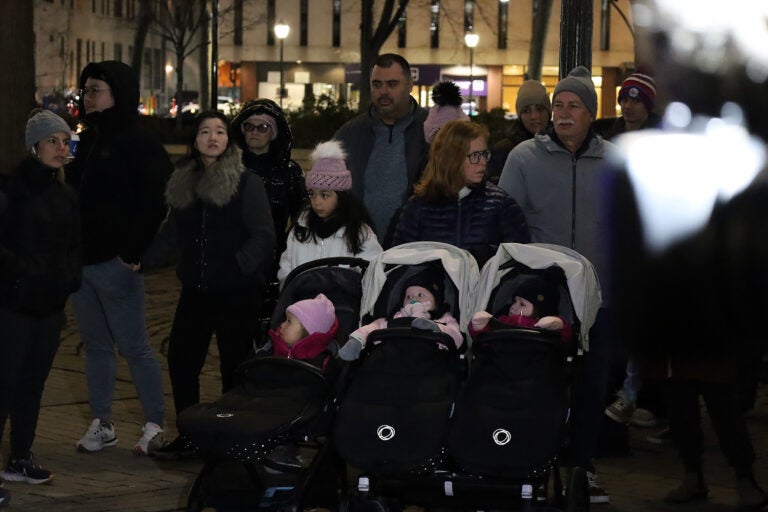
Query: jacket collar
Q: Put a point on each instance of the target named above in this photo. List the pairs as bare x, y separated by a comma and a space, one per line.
306, 348
216, 185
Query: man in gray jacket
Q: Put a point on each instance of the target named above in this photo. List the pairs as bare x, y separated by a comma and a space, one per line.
555, 178
385, 146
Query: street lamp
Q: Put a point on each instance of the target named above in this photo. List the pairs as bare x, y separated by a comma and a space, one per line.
471, 39
281, 32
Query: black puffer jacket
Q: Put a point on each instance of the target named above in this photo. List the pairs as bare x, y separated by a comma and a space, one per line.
120, 173
40, 251
221, 224
283, 178
478, 222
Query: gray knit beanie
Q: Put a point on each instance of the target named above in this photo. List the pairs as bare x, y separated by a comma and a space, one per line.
579, 82
532, 92
41, 124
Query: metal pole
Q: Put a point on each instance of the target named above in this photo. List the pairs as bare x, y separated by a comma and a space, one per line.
471, 77
282, 77
214, 54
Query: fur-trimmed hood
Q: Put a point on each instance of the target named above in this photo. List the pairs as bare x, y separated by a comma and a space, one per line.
215, 185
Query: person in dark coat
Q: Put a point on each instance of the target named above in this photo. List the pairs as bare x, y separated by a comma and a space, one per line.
40, 265
454, 203
120, 173
262, 132
221, 223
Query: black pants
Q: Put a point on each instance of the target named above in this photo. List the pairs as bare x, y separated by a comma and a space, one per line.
727, 420
232, 316
28, 345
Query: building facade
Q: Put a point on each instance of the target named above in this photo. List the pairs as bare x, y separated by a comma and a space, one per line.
321, 53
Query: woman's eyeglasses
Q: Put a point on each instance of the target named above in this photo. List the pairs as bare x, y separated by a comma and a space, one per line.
92, 91
474, 158
249, 127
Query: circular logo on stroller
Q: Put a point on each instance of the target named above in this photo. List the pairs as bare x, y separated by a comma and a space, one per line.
225, 415
501, 436
385, 432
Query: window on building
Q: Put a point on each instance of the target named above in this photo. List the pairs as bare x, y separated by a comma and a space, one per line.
118, 52
271, 22
402, 27
303, 22
79, 56
503, 22
62, 47
117, 8
434, 24
469, 15
93, 6
87, 51
103, 51
158, 72
147, 68
336, 22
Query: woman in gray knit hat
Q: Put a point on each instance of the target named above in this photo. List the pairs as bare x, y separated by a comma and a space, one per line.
40, 264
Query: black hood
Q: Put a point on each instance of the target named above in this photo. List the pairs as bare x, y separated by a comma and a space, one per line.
123, 82
280, 148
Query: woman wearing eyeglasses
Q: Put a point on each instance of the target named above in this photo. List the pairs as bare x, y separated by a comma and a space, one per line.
262, 132
454, 203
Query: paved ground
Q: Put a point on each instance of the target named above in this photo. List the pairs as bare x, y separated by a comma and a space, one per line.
115, 480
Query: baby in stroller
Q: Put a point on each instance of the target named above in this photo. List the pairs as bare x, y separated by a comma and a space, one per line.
423, 302
536, 304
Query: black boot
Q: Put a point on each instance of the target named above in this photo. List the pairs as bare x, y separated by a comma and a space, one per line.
751, 496
692, 488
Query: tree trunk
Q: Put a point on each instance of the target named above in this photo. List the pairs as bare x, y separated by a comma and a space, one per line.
541, 13
179, 86
371, 41
143, 21
18, 82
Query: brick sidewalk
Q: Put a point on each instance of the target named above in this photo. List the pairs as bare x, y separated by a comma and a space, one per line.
115, 480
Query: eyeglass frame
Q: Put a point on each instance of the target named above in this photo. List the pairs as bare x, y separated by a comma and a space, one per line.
474, 157
92, 91
249, 127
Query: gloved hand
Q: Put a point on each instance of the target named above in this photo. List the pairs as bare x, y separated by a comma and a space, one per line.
351, 349
417, 309
480, 320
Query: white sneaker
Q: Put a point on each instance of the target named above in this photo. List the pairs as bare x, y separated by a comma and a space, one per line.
620, 410
100, 434
150, 441
643, 418
596, 493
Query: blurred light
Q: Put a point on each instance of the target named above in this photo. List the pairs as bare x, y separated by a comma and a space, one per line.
282, 30
471, 39
168, 68
677, 115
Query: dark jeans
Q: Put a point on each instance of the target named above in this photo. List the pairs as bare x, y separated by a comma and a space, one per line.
232, 316
727, 420
591, 378
28, 345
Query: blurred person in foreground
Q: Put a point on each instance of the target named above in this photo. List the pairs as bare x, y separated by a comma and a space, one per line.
120, 173
689, 205
40, 265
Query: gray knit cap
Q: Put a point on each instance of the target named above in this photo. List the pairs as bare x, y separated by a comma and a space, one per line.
41, 124
579, 82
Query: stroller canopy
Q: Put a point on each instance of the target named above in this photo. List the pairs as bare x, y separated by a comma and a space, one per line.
458, 264
583, 285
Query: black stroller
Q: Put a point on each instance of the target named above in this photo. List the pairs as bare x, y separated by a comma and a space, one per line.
509, 419
279, 405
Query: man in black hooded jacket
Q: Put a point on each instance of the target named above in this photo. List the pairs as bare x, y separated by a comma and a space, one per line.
120, 173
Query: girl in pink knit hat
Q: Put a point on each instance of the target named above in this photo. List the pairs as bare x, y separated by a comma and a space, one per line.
309, 327
335, 222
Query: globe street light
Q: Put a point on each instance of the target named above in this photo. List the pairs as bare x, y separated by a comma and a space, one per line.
281, 32
471, 39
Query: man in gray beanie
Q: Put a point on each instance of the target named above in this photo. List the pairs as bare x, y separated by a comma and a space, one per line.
555, 178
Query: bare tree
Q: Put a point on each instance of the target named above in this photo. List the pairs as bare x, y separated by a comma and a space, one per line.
371, 40
19, 81
143, 23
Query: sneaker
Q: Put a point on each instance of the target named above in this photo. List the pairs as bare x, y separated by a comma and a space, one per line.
150, 441
27, 471
596, 493
663, 436
179, 448
620, 410
5, 497
643, 418
99, 435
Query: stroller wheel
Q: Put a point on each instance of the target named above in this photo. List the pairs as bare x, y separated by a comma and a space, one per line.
577, 491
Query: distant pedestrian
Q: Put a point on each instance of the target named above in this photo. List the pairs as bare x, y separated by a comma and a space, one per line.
386, 145
335, 222
221, 224
120, 172
40, 265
